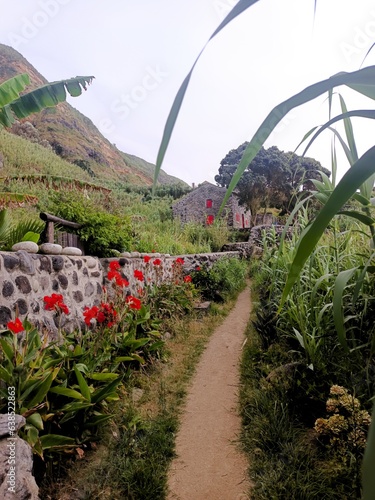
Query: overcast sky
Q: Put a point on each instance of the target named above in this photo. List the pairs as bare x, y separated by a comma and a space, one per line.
140, 51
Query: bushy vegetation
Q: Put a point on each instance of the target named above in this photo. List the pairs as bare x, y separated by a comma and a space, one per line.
296, 362
223, 280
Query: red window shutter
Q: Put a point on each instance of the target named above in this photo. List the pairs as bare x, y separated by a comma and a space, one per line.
208, 203
210, 220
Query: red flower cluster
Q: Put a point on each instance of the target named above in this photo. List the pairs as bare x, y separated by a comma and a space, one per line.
147, 259
157, 262
113, 273
197, 268
114, 265
15, 326
187, 279
55, 303
105, 314
139, 275
133, 302
179, 261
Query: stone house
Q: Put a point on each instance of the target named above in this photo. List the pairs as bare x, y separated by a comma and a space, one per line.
202, 205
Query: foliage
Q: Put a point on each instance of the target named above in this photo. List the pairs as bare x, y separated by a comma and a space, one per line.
142, 453
303, 333
225, 278
272, 179
49, 95
11, 233
286, 460
102, 232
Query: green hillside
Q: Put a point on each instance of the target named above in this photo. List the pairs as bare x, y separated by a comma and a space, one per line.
73, 137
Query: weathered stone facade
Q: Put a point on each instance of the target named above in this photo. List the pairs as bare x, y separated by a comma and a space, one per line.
25, 279
202, 205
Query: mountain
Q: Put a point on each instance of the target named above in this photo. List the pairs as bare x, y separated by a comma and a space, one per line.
74, 137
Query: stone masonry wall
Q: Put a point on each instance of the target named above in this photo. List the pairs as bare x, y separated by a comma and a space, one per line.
25, 279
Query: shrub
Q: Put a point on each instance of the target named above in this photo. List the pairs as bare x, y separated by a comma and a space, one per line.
104, 233
226, 277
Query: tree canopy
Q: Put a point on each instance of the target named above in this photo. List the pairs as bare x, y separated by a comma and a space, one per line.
272, 179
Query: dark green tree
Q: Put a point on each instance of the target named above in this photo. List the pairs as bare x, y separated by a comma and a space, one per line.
272, 179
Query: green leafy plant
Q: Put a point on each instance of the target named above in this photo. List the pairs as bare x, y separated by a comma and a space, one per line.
225, 278
11, 233
104, 233
28, 368
51, 94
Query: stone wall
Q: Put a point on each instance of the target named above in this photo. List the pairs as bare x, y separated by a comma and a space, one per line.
25, 279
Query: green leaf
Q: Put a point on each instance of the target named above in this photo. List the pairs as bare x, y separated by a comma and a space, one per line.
103, 376
76, 406
104, 392
340, 284
361, 199
5, 376
30, 236
136, 344
50, 441
36, 420
45, 96
349, 130
240, 7
70, 393
85, 389
32, 436
8, 351
97, 420
365, 219
43, 389
10, 89
351, 181
121, 359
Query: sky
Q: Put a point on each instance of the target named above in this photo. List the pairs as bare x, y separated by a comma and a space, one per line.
140, 52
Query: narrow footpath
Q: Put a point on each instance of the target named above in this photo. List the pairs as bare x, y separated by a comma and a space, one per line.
209, 465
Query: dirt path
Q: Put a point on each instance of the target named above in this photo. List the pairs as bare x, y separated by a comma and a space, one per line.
208, 465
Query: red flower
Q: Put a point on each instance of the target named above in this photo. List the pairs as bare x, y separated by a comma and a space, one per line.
114, 265
100, 317
15, 326
157, 262
139, 275
121, 281
197, 268
90, 314
187, 279
133, 302
113, 274
147, 259
105, 313
180, 261
55, 303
